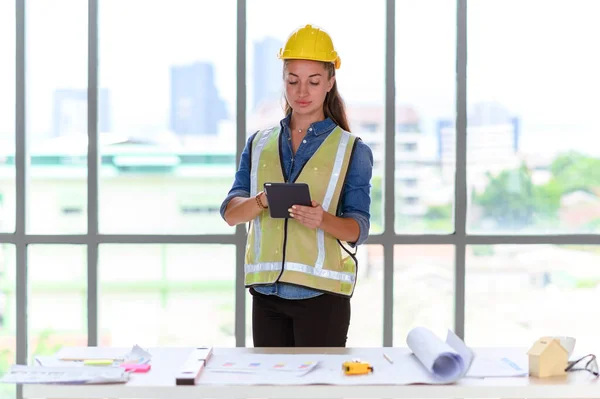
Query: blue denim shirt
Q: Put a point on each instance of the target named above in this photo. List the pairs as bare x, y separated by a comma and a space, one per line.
356, 199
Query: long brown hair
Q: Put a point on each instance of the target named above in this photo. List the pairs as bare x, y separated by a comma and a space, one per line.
333, 106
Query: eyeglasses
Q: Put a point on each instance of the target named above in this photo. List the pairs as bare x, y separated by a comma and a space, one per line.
591, 365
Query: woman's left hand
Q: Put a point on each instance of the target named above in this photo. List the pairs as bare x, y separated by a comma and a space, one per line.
309, 216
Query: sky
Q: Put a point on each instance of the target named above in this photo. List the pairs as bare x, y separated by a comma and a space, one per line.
534, 57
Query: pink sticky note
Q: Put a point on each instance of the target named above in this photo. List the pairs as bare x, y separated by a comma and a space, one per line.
136, 368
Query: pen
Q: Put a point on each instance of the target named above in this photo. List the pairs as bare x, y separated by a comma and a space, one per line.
388, 358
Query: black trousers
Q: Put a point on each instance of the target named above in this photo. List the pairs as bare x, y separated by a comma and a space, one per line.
322, 321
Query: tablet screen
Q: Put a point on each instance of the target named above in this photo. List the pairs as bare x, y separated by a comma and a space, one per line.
282, 196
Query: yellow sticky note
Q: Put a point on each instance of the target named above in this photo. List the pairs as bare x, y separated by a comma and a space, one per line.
98, 362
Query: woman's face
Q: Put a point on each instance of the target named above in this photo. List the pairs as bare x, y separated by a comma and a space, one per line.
306, 85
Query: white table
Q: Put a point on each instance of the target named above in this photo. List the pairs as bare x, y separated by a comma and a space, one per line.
159, 383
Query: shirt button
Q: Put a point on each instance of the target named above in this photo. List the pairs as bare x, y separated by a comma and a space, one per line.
310, 129
304, 141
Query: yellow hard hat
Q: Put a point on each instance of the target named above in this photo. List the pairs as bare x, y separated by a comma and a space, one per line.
310, 43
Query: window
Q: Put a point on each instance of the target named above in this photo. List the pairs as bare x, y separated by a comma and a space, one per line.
532, 168
56, 112
425, 95
166, 125
408, 147
72, 211
166, 114
366, 328
8, 336
195, 210
7, 116
370, 127
411, 200
408, 182
407, 127
528, 286
58, 285
420, 269
167, 295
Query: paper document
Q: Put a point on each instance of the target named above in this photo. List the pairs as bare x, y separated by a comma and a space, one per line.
272, 365
446, 361
19, 374
498, 367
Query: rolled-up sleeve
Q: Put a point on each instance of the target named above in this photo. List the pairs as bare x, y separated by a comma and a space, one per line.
356, 200
241, 183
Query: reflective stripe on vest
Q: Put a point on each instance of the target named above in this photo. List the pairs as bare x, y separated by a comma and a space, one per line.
254, 182
313, 257
335, 174
299, 267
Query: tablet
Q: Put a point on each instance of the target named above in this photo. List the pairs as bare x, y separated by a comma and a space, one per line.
282, 196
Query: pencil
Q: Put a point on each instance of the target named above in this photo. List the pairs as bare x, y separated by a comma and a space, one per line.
388, 358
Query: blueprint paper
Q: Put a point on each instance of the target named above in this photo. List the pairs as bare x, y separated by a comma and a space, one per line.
267, 365
432, 361
446, 361
498, 366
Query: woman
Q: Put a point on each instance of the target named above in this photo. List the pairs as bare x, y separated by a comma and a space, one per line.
300, 275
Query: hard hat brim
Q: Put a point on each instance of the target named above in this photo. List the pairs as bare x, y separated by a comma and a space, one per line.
336, 61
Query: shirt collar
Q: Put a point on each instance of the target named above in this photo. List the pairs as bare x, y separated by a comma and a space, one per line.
318, 128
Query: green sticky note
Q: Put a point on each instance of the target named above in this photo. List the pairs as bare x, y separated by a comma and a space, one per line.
98, 362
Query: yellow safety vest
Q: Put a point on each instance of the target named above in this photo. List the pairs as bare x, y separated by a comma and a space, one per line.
283, 250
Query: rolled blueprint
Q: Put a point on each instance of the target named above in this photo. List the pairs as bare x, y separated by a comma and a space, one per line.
446, 361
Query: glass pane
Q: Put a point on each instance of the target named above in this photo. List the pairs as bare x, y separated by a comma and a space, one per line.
423, 289
58, 286
528, 286
366, 320
425, 108
533, 158
57, 115
360, 79
366, 323
166, 115
167, 295
7, 116
8, 333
